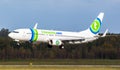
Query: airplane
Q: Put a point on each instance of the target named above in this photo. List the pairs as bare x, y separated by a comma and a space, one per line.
59, 38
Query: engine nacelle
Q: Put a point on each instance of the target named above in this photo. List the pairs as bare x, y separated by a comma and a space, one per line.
55, 42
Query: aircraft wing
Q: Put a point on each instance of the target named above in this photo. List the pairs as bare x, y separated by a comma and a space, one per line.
76, 40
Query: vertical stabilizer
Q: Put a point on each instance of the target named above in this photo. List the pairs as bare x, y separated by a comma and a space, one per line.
96, 24
94, 28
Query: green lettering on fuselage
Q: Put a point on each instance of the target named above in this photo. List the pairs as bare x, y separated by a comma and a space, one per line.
48, 32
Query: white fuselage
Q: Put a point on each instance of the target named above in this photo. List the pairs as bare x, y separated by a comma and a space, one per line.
46, 35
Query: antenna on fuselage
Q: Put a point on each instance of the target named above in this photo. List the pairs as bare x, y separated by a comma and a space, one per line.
35, 27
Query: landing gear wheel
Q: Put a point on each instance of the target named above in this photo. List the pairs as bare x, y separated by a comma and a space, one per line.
61, 47
49, 46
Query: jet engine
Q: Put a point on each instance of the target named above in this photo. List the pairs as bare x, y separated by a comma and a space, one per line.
56, 43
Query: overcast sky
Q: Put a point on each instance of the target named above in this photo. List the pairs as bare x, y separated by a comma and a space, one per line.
70, 15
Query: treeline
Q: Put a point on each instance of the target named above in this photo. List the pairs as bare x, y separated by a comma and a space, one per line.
103, 48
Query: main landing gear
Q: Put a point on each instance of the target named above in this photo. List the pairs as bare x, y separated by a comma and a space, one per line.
60, 47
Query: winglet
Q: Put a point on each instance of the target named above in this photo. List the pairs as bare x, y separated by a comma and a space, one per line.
35, 27
105, 33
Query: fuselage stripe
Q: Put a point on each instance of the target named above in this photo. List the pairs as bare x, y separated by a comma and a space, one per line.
34, 35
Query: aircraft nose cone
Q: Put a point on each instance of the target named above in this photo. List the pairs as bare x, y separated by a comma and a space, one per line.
10, 35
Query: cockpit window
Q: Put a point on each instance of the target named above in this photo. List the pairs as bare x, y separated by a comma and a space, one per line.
15, 31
